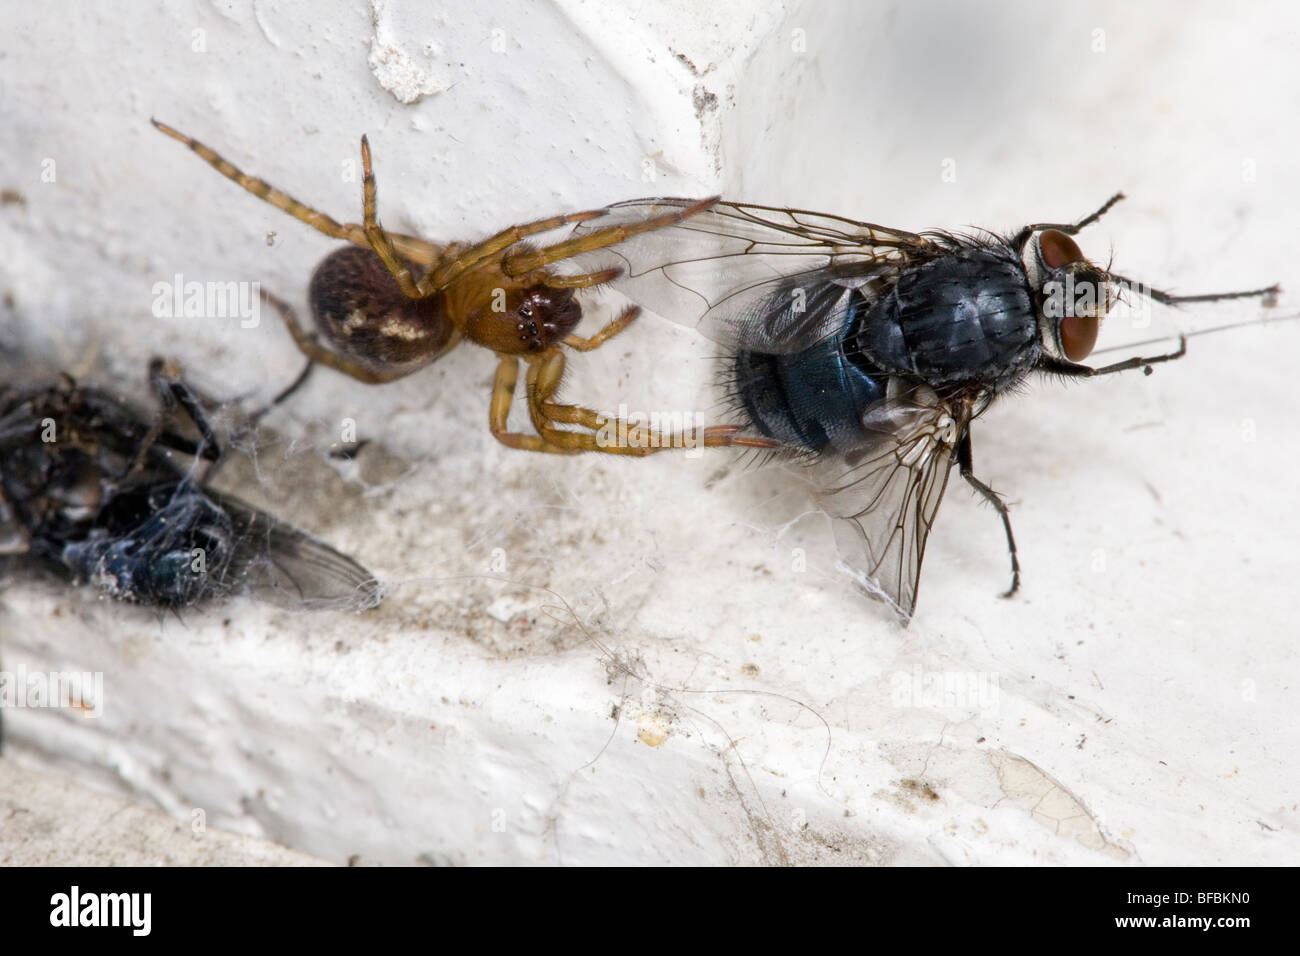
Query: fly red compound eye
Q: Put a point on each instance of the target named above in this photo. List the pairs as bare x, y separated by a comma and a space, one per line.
1058, 249
1079, 336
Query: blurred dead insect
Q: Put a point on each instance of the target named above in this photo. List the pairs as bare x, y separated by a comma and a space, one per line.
390, 304
90, 489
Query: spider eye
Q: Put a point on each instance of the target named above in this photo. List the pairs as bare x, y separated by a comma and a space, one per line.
1058, 249
1079, 335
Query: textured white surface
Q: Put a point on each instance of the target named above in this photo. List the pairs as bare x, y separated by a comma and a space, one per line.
1135, 698
50, 821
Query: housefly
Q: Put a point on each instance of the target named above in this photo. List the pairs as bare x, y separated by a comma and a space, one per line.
866, 352
91, 489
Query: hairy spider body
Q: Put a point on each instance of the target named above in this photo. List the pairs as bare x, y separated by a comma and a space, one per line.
391, 304
362, 314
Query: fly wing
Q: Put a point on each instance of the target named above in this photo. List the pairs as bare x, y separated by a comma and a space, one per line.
280, 561
883, 494
720, 269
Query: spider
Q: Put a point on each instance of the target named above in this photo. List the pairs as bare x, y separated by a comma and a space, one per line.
390, 304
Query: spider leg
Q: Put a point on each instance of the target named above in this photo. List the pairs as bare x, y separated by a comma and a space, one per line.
584, 280
537, 258
643, 442
311, 348
608, 434
714, 435
379, 240
255, 418
443, 275
503, 396
265, 191
419, 251
285, 392
604, 335
543, 379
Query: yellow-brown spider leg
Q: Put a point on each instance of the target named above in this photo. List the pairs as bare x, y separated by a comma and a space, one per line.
379, 240
537, 258
444, 274
268, 193
544, 374
309, 347
548, 381
604, 335
543, 382
413, 249
585, 280
647, 442
714, 435
503, 396
543, 379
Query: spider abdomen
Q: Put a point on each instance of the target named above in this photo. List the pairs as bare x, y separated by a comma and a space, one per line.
364, 314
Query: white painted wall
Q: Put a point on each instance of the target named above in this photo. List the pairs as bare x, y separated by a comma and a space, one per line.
1143, 677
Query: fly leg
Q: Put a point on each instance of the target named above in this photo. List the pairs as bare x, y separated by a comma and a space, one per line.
1069, 228
965, 461
1073, 370
1168, 298
1164, 298
172, 392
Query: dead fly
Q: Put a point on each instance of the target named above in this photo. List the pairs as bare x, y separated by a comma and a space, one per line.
90, 488
866, 352
390, 304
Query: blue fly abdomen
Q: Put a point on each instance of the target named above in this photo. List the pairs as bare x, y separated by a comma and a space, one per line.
811, 399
